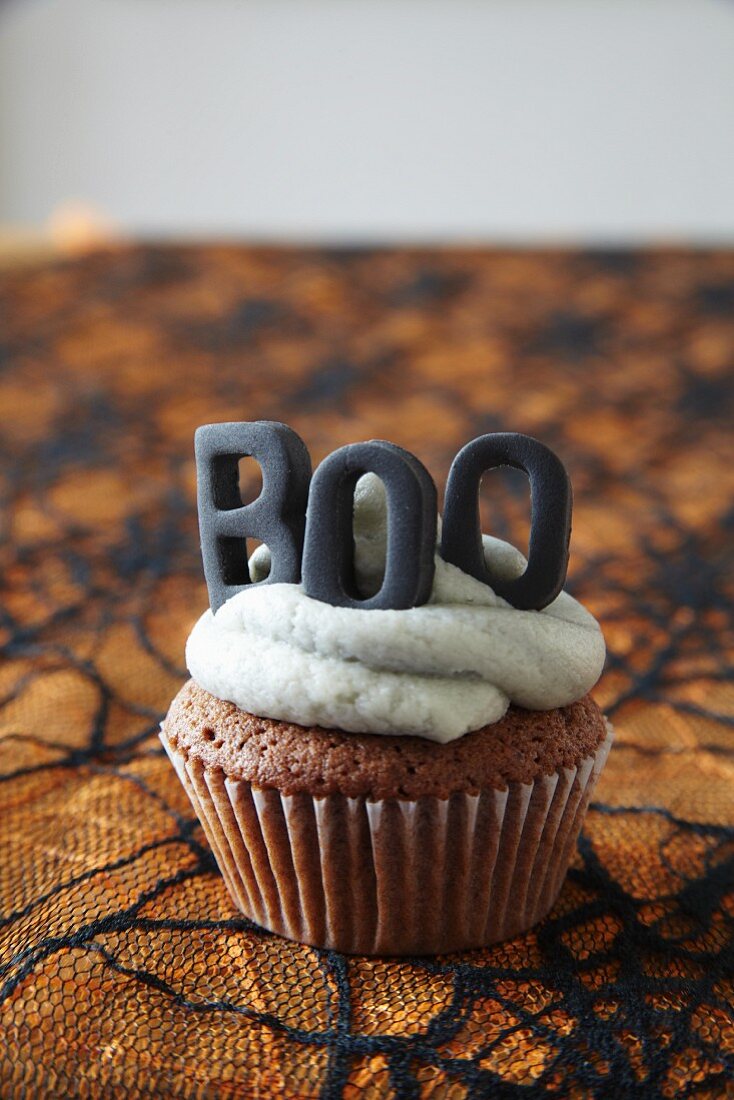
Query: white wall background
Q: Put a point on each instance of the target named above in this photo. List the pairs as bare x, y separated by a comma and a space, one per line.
601, 120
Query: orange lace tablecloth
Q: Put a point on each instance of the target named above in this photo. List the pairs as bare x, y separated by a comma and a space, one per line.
124, 969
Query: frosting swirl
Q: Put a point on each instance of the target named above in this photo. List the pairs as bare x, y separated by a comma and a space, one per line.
439, 670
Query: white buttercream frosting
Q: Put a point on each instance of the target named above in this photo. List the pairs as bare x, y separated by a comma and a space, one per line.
439, 670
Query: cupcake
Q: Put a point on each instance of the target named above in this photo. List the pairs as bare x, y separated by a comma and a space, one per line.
391, 780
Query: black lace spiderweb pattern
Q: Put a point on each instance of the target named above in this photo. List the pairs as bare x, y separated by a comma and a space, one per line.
124, 970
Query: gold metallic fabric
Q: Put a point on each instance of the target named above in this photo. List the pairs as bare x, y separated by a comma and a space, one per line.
125, 971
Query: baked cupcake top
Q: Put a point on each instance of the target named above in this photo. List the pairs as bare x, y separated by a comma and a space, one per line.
292, 758
439, 670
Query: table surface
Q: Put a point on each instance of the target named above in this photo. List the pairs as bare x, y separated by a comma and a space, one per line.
124, 970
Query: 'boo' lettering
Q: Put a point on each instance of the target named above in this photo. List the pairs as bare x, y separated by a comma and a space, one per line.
306, 521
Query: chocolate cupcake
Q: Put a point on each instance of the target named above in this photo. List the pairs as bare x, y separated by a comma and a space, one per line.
386, 781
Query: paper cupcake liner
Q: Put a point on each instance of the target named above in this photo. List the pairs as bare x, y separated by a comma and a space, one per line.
395, 876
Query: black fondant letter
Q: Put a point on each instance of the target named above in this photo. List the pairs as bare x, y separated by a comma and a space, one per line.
328, 557
277, 517
550, 529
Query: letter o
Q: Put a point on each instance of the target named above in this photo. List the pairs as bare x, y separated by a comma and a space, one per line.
550, 528
328, 556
